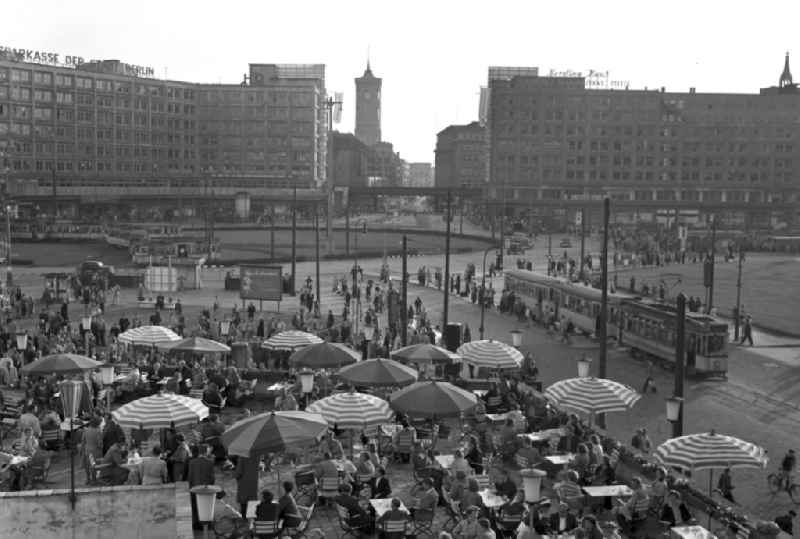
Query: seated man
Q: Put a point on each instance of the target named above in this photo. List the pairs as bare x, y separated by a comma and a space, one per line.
528, 452
395, 514
382, 487
116, 472
505, 486
267, 510
427, 498
563, 521
358, 517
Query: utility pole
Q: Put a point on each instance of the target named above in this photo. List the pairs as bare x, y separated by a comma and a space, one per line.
601, 334
583, 244
331, 104
347, 229
446, 286
737, 319
712, 257
404, 295
294, 241
316, 234
680, 361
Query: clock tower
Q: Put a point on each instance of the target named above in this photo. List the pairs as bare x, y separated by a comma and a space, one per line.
368, 108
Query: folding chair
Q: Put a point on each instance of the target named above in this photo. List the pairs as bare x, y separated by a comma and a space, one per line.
306, 513
483, 481
395, 529
423, 523
344, 523
328, 488
266, 529
507, 524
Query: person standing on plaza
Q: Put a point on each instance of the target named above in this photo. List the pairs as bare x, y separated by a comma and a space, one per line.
725, 485
747, 330
201, 472
246, 475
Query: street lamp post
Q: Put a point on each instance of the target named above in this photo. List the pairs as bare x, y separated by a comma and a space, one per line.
294, 240
446, 287
404, 294
316, 262
738, 317
602, 333
680, 361
482, 295
107, 378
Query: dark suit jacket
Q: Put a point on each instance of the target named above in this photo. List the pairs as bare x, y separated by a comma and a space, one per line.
201, 472
382, 488
572, 522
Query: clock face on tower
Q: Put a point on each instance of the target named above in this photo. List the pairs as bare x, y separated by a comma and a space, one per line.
367, 95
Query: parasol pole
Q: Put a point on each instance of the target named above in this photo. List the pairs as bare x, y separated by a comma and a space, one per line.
710, 483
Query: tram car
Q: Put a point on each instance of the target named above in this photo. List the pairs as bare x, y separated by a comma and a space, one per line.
649, 330
546, 295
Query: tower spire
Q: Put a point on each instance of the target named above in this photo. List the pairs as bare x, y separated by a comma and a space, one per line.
368, 68
786, 77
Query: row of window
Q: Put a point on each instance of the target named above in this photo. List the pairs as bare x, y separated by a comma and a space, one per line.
88, 83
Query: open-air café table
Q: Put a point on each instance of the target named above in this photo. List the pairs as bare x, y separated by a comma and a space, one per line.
560, 460
445, 461
492, 500
498, 418
605, 491
480, 393
382, 505
691, 532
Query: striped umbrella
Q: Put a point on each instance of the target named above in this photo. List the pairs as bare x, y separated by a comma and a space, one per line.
60, 364
352, 410
273, 432
491, 354
290, 340
425, 353
592, 395
197, 345
378, 372
324, 355
161, 411
432, 398
148, 335
709, 451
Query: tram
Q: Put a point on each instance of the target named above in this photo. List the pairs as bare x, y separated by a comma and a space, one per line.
647, 327
649, 330
546, 295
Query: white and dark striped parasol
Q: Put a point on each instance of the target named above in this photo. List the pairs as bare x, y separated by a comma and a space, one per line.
161, 411
148, 335
592, 395
708, 451
290, 340
352, 410
490, 354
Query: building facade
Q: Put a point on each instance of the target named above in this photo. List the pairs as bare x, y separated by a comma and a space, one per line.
420, 175
461, 156
551, 139
368, 108
98, 128
384, 165
350, 159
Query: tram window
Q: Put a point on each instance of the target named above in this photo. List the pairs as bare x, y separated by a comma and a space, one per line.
715, 344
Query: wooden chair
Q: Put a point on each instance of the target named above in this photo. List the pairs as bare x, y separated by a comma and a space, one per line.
306, 513
395, 529
344, 523
639, 514
266, 529
196, 393
423, 523
328, 488
483, 481
507, 523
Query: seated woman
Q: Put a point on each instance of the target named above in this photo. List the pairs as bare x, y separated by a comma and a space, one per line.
629, 509
267, 510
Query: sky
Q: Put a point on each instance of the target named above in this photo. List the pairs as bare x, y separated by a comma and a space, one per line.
432, 56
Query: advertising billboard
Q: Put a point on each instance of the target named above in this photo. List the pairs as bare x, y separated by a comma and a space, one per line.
261, 282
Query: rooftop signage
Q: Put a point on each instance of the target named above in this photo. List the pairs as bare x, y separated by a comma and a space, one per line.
62, 60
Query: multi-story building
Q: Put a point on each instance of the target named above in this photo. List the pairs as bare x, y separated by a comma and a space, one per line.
552, 140
384, 165
420, 175
461, 156
93, 130
368, 108
349, 161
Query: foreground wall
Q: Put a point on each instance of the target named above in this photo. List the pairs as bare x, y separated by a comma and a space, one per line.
125, 512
